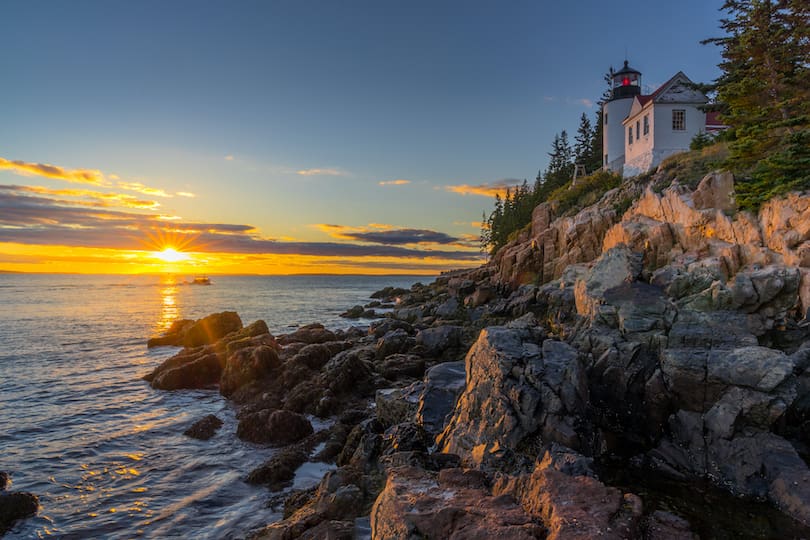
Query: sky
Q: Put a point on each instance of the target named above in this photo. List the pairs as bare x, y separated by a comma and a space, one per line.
280, 137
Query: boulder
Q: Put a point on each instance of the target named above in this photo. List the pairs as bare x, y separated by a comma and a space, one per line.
194, 368
379, 328
278, 471
616, 266
572, 503
273, 427
395, 405
5, 480
247, 365
204, 428
443, 384
398, 366
211, 328
312, 333
438, 340
418, 504
394, 342
15, 506
515, 389
173, 336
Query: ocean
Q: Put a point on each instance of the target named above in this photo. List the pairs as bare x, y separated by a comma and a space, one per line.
106, 453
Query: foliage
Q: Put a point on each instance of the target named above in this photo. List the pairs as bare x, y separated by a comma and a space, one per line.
700, 140
690, 167
764, 92
587, 190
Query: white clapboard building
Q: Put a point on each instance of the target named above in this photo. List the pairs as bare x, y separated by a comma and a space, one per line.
641, 130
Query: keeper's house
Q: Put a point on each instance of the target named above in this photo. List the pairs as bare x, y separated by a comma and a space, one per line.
640, 131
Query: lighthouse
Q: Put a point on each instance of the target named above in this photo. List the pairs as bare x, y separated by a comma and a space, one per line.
625, 85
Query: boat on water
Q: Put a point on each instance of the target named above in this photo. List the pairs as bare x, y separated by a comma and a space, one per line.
200, 280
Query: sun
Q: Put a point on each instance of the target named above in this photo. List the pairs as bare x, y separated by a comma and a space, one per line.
171, 255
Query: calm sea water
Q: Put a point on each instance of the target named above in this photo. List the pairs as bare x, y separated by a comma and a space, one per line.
105, 452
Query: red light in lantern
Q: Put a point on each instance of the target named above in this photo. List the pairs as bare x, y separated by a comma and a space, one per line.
626, 81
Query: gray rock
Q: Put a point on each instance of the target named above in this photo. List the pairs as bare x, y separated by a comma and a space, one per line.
443, 384
204, 428
437, 340
396, 405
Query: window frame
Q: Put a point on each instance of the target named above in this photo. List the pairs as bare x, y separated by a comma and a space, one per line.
676, 122
647, 124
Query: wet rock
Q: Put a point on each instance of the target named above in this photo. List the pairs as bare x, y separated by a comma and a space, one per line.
211, 328
204, 428
273, 427
350, 371
379, 328
173, 336
394, 342
437, 341
389, 294
278, 471
312, 333
354, 312
398, 366
443, 384
5, 480
406, 437
420, 504
395, 405
247, 365
665, 525
191, 368
15, 506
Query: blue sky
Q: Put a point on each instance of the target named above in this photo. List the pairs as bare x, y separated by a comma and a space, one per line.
289, 115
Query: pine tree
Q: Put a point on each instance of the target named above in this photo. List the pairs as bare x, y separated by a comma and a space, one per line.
582, 142
596, 150
765, 93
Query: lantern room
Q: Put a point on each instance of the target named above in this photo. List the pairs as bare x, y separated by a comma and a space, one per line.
626, 82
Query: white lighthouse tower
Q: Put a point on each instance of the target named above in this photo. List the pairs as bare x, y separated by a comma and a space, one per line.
625, 85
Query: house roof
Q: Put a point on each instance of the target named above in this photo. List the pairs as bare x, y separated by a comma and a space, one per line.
655, 97
713, 120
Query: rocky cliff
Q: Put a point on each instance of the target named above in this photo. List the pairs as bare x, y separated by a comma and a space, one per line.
660, 337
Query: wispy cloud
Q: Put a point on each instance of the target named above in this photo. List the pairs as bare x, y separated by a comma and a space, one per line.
79, 176
92, 177
96, 198
185, 194
38, 220
491, 189
398, 182
229, 157
321, 172
137, 187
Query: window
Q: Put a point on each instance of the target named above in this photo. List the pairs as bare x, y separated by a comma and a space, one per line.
630, 135
638, 129
606, 161
646, 124
605, 118
678, 120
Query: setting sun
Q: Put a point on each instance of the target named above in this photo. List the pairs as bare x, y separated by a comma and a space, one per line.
171, 255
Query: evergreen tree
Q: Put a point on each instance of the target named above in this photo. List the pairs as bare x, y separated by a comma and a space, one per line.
765, 92
596, 150
582, 142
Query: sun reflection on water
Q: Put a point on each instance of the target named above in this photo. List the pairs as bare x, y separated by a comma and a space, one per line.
170, 311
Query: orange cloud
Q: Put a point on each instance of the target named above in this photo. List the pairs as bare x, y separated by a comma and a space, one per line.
97, 198
498, 187
398, 182
321, 172
79, 176
146, 190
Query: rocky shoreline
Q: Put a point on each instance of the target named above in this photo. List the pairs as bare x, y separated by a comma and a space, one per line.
530, 397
